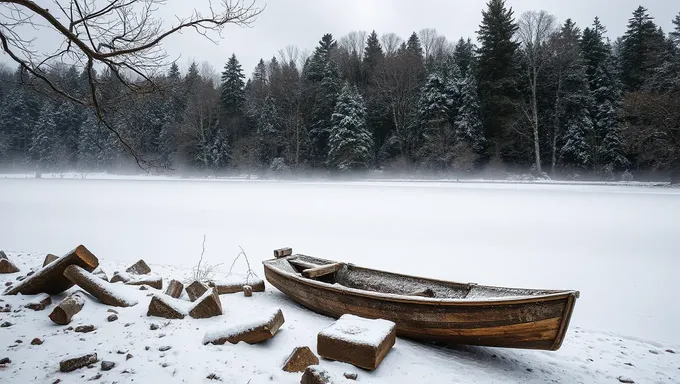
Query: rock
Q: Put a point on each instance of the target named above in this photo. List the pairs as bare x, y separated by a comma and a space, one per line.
30, 273
147, 348
174, 289
139, 268
85, 328
71, 305
3, 255
213, 376
301, 358
120, 277
223, 288
257, 331
208, 305
72, 364
7, 266
40, 302
151, 281
128, 356
153, 327
165, 307
670, 351
356, 340
99, 272
196, 290
127, 325
51, 279
247, 291
626, 380
653, 352
95, 377
6, 324
18, 341
629, 364
21, 278
5, 360
316, 375
36, 341
112, 311
143, 288
283, 252
350, 375
6, 308
122, 352
107, 365
49, 258
164, 348
8, 283
103, 291
112, 317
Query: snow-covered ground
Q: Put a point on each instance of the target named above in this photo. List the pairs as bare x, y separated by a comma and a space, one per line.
616, 244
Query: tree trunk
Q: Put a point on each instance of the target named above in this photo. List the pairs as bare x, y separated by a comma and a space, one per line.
97, 287
68, 307
534, 107
675, 172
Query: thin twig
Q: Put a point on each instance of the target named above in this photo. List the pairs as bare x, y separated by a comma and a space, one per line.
249, 272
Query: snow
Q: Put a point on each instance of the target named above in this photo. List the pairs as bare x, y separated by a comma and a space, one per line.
231, 330
357, 330
616, 244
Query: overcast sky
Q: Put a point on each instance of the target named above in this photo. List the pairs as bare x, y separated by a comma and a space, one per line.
303, 22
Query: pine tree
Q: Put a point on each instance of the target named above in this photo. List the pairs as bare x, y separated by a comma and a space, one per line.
316, 67
496, 71
414, 47
675, 34
219, 151
373, 55
326, 94
468, 122
607, 101
96, 145
350, 143
232, 88
46, 149
464, 55
577, 150
269, 131
642, 50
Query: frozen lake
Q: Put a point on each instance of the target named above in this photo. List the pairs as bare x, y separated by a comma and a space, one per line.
619, 246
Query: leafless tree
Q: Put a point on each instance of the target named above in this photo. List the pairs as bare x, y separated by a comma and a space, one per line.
427, 38
123, 36
289, 54
355, 41
390, 43
534, 30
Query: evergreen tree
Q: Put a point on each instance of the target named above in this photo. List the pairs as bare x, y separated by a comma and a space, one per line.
594, 48
436, 136
350, 143
607, 101
464, 55
496, 71
373, 55
46, 149
232, 88
414, 47
96, 145
219, 150
642, 50
269, 131
15, 123
675, 33
468, 123
317, 64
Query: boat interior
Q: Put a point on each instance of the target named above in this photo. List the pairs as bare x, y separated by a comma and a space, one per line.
351, 276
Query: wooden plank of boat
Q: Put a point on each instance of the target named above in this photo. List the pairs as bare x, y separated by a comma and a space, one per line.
322, 270
429, 309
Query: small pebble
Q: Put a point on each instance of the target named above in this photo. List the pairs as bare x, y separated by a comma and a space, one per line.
112, 311
112, 318
21, 278
96, 377
143, 288
628, 364
128, 357
653, 352
18, 341
530, 369
164, 365
6, 324
7, 284
162, 335
30, 273
85, 328
147, 348
107, 365
153, 327
164, 348
670, 351
36, 341
128, 324
350, 375
121, 352
5, 360
626, 380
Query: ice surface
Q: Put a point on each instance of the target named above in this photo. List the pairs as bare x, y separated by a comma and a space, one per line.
358, 330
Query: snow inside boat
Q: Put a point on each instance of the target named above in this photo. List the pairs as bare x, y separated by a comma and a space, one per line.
427, 309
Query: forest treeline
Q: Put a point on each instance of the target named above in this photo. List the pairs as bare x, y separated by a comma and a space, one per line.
528, 95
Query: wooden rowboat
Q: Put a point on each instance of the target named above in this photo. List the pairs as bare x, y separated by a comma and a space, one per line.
427, 309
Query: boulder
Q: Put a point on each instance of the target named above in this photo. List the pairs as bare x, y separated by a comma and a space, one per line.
139, 268
236, 285
356, 340
174, 289
208, 305
166, 307
107, 293
50, 279
74, 363
196, 290
120, 277
85, 328
40, 302
316, 375
36, 341
49, 258
256, 331
7, 266
301, 358
151, 281
64, 311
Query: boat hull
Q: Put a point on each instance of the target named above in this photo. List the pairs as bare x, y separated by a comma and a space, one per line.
528, 323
